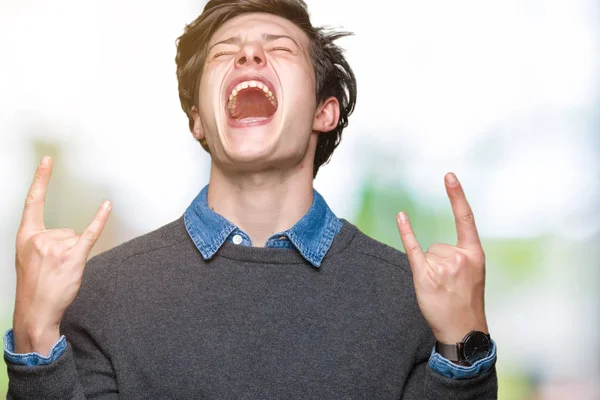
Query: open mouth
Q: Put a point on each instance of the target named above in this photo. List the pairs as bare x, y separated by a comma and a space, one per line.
251, 102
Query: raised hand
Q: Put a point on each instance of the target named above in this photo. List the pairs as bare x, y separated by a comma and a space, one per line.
449, 280
50, 264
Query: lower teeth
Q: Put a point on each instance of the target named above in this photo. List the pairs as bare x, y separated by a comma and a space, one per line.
251, 119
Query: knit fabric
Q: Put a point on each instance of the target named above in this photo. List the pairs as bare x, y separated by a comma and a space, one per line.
153, 319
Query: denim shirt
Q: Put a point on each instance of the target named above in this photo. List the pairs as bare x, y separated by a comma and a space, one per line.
312, 236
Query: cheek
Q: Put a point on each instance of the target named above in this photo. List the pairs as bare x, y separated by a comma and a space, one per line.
210, 83
208, 94
308, 87
308, 74
205, 90
299, 82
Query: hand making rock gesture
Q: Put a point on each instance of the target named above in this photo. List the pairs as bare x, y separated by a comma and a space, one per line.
50, 264
449, 280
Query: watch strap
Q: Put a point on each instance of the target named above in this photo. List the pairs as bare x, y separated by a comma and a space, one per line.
452, 352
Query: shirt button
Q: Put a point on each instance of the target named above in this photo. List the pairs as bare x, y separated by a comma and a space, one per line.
237, 239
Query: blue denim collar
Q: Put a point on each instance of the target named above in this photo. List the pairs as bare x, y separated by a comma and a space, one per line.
312, 235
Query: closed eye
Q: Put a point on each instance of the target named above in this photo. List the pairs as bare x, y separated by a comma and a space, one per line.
282, 49
223, 53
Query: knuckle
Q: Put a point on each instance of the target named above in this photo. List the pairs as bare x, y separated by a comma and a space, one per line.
454, 269
64, 258
480, 258
68, 230
437, 247
415, 249
440, 271
38, 241
457, 194
55, 250
432, 248
21, 239
31, 198
461, 259
468, 218
89, 234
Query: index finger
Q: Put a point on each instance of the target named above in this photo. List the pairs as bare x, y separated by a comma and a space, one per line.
33, 212
466, 231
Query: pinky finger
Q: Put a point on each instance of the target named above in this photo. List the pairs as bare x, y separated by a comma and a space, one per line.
90, 235
413, 250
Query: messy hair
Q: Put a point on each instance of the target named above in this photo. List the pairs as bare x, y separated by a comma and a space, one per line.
334, 77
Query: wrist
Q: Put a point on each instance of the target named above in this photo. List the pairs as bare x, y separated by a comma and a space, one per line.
475, 346
35, 339
456, 335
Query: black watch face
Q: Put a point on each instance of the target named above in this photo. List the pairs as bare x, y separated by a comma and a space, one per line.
477, 346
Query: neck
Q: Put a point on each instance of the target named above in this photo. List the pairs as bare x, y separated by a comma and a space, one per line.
262, 203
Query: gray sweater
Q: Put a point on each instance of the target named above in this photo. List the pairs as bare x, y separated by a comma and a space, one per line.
154, 320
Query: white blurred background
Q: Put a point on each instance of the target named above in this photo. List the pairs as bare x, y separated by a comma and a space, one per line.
504, 93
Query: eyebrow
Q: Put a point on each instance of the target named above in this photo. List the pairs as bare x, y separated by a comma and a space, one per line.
267, 37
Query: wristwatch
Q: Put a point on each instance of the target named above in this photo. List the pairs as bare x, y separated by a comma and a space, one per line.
475, 346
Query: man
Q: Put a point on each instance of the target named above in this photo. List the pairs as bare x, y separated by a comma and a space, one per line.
258, 290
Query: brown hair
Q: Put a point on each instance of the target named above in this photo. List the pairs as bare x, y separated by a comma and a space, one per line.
334, 77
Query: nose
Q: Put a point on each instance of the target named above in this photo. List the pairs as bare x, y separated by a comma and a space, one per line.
250, 55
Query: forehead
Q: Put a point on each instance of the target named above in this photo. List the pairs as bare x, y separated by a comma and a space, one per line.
253, 25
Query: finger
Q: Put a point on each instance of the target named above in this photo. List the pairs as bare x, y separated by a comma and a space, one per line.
436, 263
90, 235
71, 241
33, 212
413, 250
466, 231
434, 259
58, 242
442, 250
59, 234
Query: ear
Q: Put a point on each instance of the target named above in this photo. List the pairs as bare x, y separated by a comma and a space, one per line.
197, 129
327, 115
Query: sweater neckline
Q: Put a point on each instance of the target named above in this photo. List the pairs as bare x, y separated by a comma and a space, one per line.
271, 255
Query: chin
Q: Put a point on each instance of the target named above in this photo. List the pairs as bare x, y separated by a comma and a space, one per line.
249, 145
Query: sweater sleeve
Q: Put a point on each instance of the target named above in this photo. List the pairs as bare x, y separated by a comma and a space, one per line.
31, 359
424, 383
84, 370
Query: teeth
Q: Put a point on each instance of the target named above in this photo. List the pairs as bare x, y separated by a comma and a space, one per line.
253, 84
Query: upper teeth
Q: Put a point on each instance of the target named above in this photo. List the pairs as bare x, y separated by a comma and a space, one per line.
252, 84
246, 84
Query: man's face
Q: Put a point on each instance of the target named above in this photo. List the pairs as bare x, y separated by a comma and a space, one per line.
257, 104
